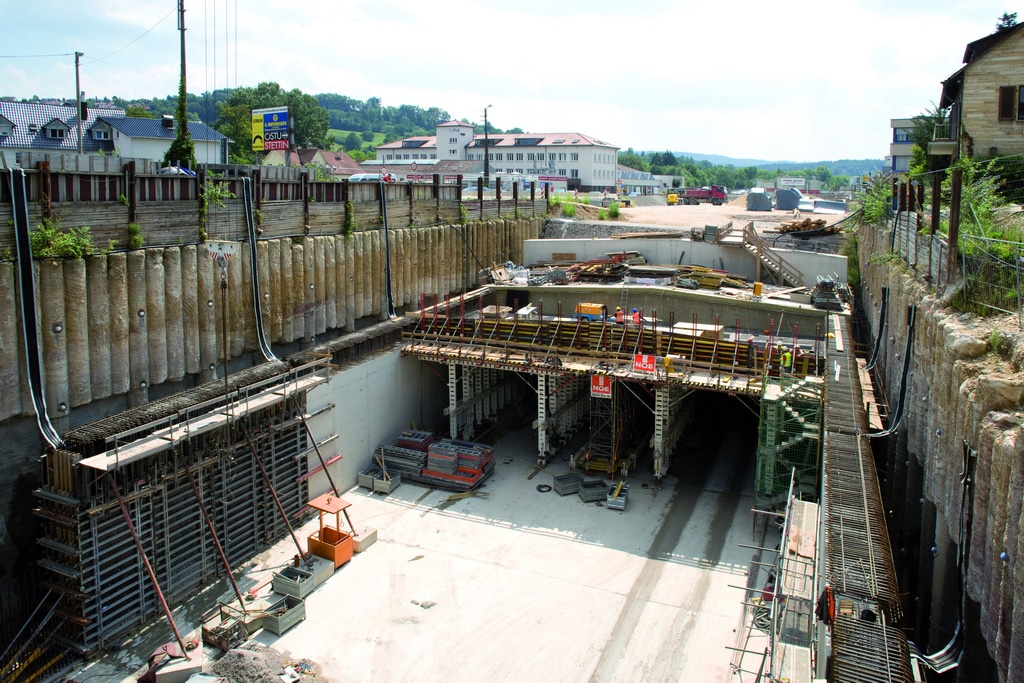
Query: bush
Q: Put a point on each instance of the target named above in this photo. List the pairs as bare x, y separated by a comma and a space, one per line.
49, 241
135, 238
876, 198
568, 210
601, 214
613, 210
585, 200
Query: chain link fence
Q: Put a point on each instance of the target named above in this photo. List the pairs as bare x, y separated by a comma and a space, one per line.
990, 248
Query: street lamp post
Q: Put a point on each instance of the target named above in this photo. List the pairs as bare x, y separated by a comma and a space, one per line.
487, 152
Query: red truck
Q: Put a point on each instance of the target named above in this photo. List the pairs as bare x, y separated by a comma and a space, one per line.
716, 194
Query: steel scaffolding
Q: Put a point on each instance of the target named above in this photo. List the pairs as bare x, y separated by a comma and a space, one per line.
789, 438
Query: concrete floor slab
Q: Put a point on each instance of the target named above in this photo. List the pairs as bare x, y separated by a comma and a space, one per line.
529, 585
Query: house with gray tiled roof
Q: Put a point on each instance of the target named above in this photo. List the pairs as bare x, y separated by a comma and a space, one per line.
150, 138
35, 127
571, 160
337, 164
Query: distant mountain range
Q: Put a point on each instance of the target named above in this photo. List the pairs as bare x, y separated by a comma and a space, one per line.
841, 167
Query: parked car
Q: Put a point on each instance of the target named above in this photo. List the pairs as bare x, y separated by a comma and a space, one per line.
176, 170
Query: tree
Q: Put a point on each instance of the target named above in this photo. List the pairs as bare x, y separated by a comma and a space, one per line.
1008, 20
234, 117
182, 150
367, 135
137, 111
352, 142
633, 161
922, 133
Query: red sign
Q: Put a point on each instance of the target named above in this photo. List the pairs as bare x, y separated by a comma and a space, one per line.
413, 165
275, 144
600, 386
643, 363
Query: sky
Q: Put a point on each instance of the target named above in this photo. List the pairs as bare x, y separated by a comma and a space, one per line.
790, 80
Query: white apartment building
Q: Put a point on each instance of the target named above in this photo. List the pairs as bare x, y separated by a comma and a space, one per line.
579, 161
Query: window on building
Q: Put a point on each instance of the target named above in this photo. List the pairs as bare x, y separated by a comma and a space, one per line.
1020, 102
56, 132
519, 156
405, 156
101, 134
551, 156
519, 171
434, 156
529, 156
508, 156
574, 156
561, 156
1007, 101
455, 153
901, 135
453, 141
574, 173
389, 157
561, 171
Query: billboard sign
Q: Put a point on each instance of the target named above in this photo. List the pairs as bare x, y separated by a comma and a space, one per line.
600, 386
270, 129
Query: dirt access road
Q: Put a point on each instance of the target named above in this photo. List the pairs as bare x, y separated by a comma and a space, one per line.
653, 211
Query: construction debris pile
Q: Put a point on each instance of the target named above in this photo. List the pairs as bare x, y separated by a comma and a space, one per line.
255, 664
829, 294
449, 464
709, 278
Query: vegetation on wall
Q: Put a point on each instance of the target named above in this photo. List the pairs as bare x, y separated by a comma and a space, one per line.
182, 150
49, 240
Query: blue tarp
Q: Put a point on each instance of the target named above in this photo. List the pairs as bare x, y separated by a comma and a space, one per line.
787, 199
758, 201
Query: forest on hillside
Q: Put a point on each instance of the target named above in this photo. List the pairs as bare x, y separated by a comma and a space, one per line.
333, 121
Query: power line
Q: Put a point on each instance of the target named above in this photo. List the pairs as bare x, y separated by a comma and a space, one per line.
58, 54
134, 41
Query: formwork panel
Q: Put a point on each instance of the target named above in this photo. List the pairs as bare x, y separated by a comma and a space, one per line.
92, 555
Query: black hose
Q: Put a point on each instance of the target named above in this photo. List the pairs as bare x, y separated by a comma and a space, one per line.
257, 299
881, 329
29, 320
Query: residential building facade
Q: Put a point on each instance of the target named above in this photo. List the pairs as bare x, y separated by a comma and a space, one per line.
900, 146
985, 99
35, 127
579, 161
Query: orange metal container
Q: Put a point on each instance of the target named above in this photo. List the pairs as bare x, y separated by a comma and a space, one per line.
330, 542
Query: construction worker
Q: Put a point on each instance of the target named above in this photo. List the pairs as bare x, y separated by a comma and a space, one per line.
636, 317
619, 315
787, 361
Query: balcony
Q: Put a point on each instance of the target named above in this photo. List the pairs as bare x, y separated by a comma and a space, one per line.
943, 143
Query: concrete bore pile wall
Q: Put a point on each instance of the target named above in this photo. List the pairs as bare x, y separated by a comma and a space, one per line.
966, 384
120, 323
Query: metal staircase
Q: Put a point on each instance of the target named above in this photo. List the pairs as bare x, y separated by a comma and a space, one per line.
770, 259
789, 440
